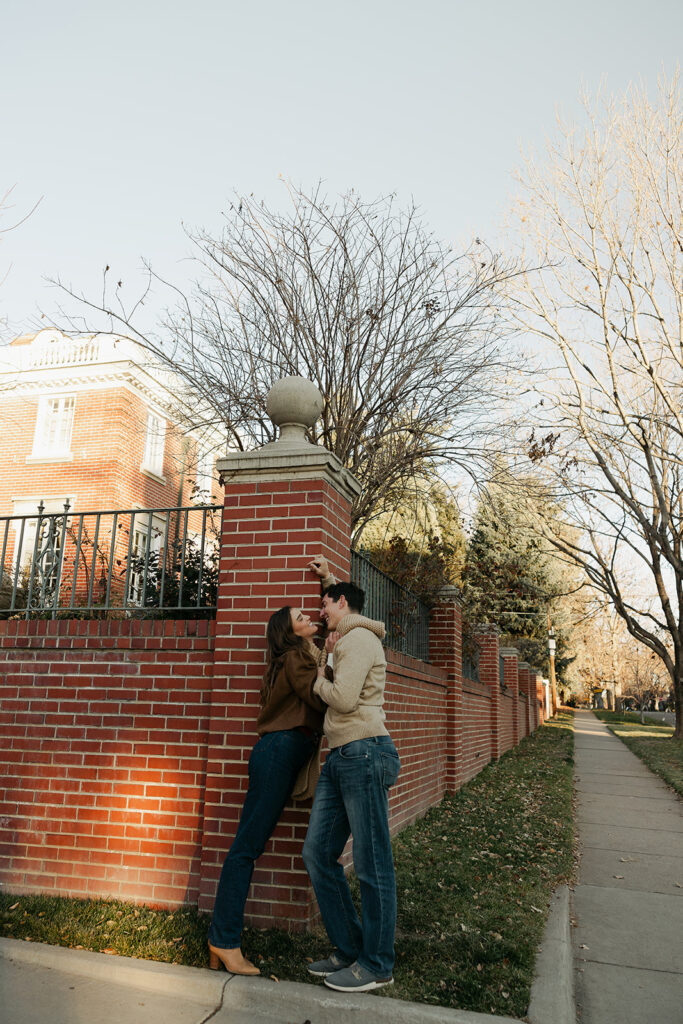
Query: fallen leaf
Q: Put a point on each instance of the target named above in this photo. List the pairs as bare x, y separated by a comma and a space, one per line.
111, 952
617, 876
14, 906
273, 978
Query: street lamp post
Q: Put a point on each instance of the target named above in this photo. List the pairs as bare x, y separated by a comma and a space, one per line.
551, 659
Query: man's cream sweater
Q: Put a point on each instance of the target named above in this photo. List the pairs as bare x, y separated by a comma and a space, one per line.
355, 695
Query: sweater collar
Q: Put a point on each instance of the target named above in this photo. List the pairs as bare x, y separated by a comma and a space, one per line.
353, 621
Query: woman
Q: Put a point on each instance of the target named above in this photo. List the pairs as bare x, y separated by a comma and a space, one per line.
289, 726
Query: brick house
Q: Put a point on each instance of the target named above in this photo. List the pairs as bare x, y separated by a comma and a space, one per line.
91, 422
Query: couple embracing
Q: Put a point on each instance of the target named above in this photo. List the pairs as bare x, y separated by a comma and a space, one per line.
305, 690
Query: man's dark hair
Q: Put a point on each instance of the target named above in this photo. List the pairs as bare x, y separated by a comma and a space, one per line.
355, 597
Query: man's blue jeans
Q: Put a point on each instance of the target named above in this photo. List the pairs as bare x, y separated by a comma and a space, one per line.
352, 798
273, 767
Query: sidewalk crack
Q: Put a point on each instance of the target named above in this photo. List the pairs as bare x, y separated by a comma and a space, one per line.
217, 1008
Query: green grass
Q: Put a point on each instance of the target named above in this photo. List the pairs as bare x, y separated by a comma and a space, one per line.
473, 877
651, 742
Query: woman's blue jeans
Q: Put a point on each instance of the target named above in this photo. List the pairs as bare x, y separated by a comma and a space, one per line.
273, 767
352, 798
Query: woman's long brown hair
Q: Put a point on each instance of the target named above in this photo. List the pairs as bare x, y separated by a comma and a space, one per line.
280, 638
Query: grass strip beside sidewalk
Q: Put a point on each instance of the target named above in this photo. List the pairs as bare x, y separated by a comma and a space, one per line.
651, 742
474, 877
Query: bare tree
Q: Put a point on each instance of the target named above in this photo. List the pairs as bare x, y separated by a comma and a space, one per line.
401, 335
5, 205
605, 219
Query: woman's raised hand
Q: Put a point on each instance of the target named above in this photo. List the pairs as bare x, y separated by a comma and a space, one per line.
330, 641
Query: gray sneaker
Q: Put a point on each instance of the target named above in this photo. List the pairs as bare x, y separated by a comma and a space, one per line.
333, 964
355, 979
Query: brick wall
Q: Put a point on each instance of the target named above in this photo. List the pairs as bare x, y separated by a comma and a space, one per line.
508, 714
124, 748
476, 728
416, 707
523, 715
103, 753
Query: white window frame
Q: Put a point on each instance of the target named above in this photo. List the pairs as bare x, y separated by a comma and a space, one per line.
24, 507
59, 421
141, 539
155, 445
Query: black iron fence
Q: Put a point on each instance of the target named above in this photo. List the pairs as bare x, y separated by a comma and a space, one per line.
133, 561
404, 615
470, 658
146, 562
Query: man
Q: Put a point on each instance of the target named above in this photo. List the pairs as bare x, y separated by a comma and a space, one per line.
352, 798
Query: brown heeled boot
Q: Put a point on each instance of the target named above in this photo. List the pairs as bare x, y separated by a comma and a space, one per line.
232, 960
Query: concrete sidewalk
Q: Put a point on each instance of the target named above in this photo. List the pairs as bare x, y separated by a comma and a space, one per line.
628, 904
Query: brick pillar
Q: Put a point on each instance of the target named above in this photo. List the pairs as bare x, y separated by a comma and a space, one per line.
487, 639
525, 688
284, 503
510, 656
539, 697
445, 651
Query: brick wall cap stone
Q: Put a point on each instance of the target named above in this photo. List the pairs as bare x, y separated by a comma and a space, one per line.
487, 629
524, 664
449, 595
276, 461
509, 652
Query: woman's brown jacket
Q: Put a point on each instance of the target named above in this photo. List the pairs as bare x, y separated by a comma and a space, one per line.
291, 701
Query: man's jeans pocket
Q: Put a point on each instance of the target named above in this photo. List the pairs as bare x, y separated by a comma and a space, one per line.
356, 750
391, 766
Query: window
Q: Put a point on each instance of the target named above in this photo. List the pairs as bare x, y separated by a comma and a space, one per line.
25, 530
204, 481
153, 460
142, 540
53, 427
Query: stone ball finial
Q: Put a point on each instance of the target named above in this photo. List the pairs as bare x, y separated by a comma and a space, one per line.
294, 404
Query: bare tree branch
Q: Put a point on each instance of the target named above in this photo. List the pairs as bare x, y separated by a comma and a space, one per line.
402, 336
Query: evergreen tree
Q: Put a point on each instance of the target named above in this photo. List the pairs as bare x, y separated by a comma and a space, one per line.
512, 579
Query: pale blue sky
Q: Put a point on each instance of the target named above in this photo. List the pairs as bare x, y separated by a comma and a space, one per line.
132, 117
